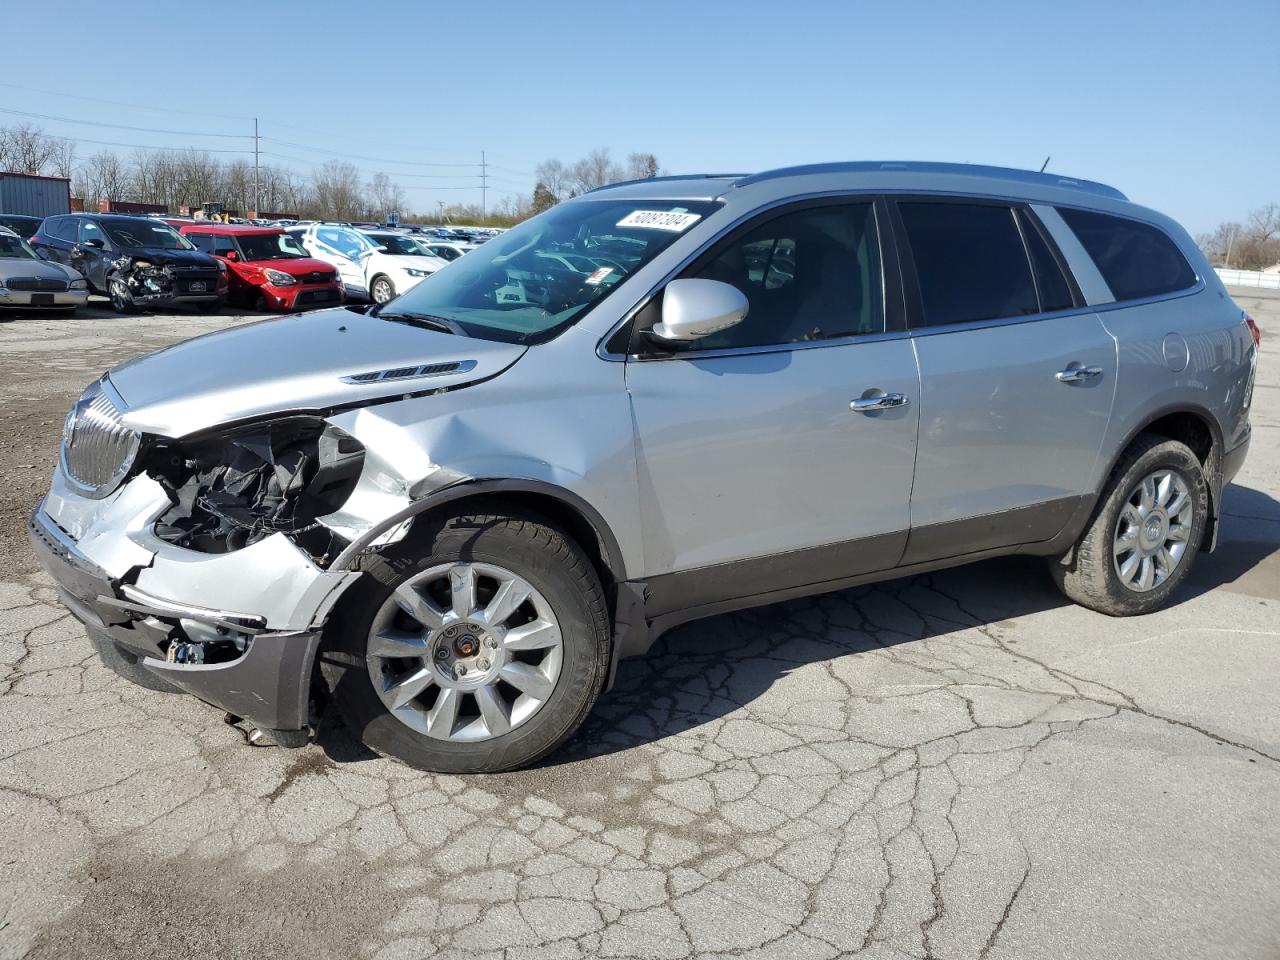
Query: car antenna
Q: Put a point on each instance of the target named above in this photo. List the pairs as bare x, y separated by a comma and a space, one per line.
1046, 163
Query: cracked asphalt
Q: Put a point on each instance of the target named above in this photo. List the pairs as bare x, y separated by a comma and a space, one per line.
957, 765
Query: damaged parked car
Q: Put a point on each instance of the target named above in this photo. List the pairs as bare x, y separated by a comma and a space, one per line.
451, 515
138, 262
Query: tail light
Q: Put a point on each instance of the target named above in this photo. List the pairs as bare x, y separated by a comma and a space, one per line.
1253, 330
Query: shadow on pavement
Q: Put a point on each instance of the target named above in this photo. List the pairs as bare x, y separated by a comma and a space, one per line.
707, 669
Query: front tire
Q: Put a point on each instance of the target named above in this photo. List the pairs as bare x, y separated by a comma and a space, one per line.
1145, 534
477, 645
382, 289
121, 297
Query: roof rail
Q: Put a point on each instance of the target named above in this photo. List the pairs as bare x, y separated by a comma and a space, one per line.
680, 176
917, 166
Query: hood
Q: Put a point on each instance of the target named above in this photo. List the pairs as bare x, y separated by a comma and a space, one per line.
294, 267
40, 269
172, 258
294, 364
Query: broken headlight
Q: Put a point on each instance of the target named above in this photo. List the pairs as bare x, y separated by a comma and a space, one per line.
235, 488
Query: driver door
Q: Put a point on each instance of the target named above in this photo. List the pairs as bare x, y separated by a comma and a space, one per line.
765, 463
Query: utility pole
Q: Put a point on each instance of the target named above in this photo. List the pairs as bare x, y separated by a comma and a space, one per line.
1230, 243
257, 190
441, 202
484, 188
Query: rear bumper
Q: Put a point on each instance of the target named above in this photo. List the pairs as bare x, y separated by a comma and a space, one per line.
268, 682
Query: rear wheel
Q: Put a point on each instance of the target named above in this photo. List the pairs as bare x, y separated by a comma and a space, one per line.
382, 289
1144, 537
478, 647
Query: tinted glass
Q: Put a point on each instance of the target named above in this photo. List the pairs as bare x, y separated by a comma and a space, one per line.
270, 246
1136, 259
398, 244
202, 241
61, 228
346, 242
15, 248
1051, 284
89, 230
149, 234
970, 262
809, 275
544, 275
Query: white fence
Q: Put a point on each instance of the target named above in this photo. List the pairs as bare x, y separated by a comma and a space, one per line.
1249, 278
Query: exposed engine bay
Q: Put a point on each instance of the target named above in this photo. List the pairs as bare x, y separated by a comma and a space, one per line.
149, 281
236, 488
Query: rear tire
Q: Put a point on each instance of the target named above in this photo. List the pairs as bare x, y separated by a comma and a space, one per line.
566, 592
1136, 552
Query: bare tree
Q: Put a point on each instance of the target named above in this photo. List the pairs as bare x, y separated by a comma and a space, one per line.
1253, 245
28, 150
103, 177
556, 178
595, 170
641, 166
335, 191
62, 162
385, 196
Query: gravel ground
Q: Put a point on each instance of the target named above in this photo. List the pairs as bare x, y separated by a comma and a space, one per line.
956, 765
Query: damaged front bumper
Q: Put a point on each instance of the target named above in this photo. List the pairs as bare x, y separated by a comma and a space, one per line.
261, 612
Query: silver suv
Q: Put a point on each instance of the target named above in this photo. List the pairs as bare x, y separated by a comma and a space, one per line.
455, 512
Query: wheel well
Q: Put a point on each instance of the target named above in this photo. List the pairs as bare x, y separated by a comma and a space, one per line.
1188, 428
562, 514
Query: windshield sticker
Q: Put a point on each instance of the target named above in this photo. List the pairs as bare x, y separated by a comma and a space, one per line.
599, 276
660, 220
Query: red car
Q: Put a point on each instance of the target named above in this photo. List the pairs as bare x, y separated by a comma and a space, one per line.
266, 268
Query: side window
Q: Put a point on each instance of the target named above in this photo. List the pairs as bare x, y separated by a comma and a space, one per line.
203, 241
813, 274
64, 228
89, 230
223, 245
1136, 259
970, 262
1051, 283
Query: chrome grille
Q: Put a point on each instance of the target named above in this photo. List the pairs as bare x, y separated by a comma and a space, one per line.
97, 449
38, 284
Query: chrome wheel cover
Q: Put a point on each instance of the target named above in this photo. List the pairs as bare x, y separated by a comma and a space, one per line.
1153, 530
382, 291
464, 652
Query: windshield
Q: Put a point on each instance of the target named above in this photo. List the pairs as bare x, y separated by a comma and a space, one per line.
269, 246
536, 279
144, 233
15, 248
399, 245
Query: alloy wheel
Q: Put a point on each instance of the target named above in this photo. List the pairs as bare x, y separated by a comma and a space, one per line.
464, 652
1153, 530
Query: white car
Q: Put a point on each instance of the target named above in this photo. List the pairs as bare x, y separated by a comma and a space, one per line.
447, 250
368, 266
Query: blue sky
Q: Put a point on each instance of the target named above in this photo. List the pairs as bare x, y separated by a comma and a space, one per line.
1172, 102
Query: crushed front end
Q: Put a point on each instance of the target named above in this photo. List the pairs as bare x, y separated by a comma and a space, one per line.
153, 282
133, 527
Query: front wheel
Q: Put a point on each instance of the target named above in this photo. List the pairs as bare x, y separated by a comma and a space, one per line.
382, 290
1145, 534
121, 296
478, 646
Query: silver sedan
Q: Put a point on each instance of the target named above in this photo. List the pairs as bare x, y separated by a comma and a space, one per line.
28, 282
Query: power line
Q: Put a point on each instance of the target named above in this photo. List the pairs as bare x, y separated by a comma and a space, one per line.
121, 126
143, 146
117, 103
357, 156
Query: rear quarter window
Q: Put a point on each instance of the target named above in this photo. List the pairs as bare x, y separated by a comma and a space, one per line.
1136, 259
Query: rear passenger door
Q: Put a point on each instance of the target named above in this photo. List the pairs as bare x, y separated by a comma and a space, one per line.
1017, 377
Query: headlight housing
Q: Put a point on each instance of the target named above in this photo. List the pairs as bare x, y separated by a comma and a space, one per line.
233, 489
78, 285
278, 278
415, 272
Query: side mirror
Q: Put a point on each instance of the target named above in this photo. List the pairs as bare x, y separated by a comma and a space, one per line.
230, 255
692, 309
95, 242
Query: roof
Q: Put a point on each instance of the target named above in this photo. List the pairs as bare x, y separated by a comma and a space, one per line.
227, 229
867, 174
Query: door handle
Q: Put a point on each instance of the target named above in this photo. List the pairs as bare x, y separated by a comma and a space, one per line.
885, 401
1078, 374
